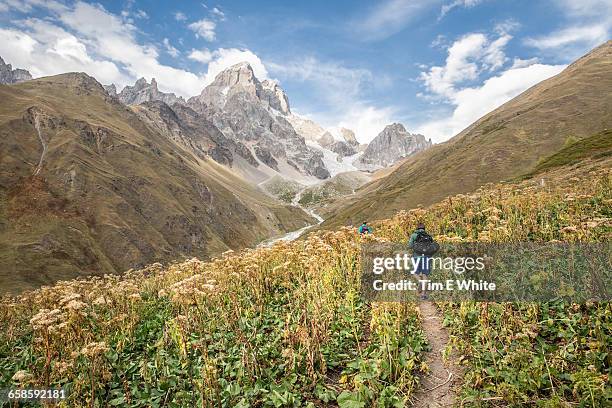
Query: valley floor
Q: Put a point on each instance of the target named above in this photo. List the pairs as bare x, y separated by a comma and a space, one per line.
287, 325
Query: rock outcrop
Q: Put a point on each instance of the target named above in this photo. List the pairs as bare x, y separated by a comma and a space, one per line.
326, 140
342, 149
349, 137
142, 92
392, 144
8, 75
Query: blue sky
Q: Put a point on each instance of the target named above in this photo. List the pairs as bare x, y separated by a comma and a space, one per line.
435, 66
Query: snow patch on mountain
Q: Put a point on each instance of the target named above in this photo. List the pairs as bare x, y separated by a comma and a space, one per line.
333, 161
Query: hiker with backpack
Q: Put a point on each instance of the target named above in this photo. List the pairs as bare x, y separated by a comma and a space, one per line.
364, 229
423, 247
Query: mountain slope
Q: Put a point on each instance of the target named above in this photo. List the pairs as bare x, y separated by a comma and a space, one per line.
596, 146
87, 187
505, 143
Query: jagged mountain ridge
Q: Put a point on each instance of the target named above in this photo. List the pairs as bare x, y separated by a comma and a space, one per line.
142, 92
8, 75
262, 131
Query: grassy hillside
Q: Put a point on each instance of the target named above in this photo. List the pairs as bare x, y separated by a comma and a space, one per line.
287, 326
596, 146
506, 143
86, 187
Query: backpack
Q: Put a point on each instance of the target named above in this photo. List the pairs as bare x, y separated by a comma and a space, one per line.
424, 244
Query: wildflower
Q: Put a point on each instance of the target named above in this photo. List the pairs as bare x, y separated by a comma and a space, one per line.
21, 376
45, 318
75, 305
95, 348
69, 298
62, 367
101, 300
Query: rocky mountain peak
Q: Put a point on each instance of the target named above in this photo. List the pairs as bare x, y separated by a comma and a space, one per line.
110, 89
256, 114
394, 128
141, 83
390, 145
142, 92
8, 75
240, 74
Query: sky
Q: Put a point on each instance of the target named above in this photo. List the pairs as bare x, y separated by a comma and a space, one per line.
434, 65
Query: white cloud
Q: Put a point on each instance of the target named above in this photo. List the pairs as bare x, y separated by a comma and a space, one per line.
473, 102
170, 49
457, 3
467, 58
25, 6
48, 50
366, 121
339, 90
439, 41
458, 83
507, 26
218, 13
88, 38
494, 55
106, 35
588, 24
336, 82
204, 56
389, 17
521, 63
585, 8
204, 28
141, 14
588, 36
180, 16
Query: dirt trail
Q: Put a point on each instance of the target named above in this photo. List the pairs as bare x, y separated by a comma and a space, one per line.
439, 387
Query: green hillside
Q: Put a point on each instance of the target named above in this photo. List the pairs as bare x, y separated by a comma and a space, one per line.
596, 146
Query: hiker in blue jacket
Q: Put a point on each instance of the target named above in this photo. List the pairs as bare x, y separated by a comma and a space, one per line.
364, 228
